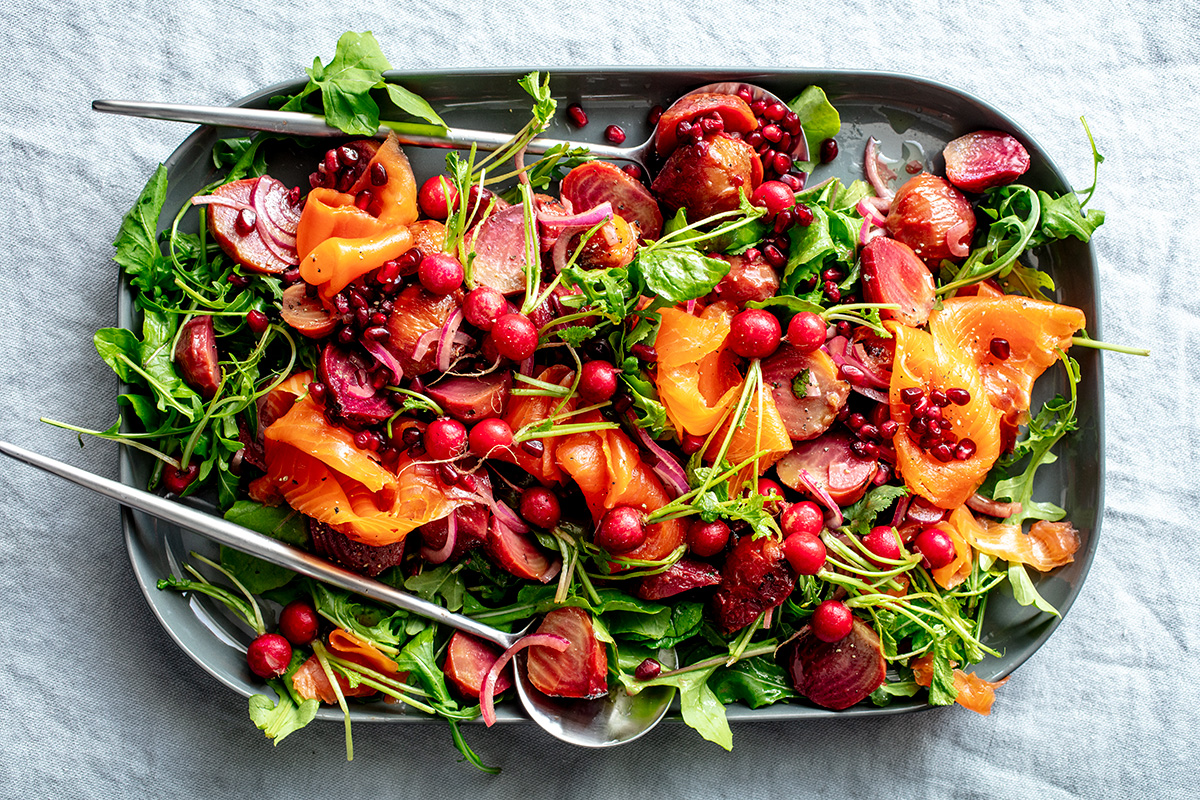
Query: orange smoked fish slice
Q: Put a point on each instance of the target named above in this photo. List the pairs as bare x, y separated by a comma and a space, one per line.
1034, 330
1047, 545
697, 378
926, 365
305, 428
526, 409
973, 692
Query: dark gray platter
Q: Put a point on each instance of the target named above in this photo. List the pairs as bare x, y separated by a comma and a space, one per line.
908, 115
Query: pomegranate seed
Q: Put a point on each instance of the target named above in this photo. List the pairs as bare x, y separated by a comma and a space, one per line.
622, 529
939, 398
347, 156
257, 321
331, 162
794, 182
412, 437
622, 404
379, 318
648, 670
803, 517
772, 133
364, 440
759, 107
377, 333
683, 130
291, 276
832, 621
775, 112
448, 474
577, 115
781, 163
855, 421
754, 139
379, 176
785, 143
805, 553
942, 452
965, 449
774, 257
540, 507
634, 171
1000, 348
958, 396
746, 93
829, 150
791, 123
534, 447
294, 196
711, 125
868, 431
706, 539
910, 394
655, 115
832, 274
754, 333
803, 215
644, 352
614, 134
245, 222
317, 391
363, 199
597, 381
691, 444
889, 428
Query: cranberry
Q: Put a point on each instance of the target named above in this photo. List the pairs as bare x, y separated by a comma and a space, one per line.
935, 547
515, 336
706, 539
622, 529
806, 331
648, 670
597, 381
445, 438
772, 494
805, 552
614, 134
1000, 348
829, 150
803, 517
269, 655
832, 621
754, 333
539, 506
440, 273
881, 541
177, 481
774, 196
298, 622
438, 197
577, 115
490, 434
482, 306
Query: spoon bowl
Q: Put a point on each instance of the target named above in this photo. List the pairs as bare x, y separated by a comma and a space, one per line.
614, 719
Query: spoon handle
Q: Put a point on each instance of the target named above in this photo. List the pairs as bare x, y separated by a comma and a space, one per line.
295, 123
256, 544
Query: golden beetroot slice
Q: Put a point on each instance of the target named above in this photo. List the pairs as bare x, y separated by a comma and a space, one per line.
933, 218
595, 182
579, 671
892, 273
984, 159
830, 465
838, 674
306, 314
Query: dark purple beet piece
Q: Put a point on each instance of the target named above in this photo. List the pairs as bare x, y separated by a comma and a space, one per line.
348, 380
475, 398
682, 576
471, 531
361, 558
196, 356
838, 674
756, 577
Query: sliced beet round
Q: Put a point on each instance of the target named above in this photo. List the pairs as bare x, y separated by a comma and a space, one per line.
470, 399
682, 576
468, 660
756, 577
306, 314
837, 675
517, 553
369, 560
892, 273
245, 245
500, 251
196, 356
471, 530
348, 380
595, 182
415, 313
831, 465
579, 671
806, 390
984, 159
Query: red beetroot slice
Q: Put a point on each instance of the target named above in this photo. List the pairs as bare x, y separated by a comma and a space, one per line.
470, 399
579, 671
838, 674
735, 113
345, 375
471, 530
892, 273
831, 465
517, 554
591, 184
984, 159
682, 576
748, 279
248, 249
806, 390
500, 251
196, 356
468, 660
306, 314
362, 558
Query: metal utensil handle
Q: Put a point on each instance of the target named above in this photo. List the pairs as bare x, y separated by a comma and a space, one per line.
256, 544
296, 123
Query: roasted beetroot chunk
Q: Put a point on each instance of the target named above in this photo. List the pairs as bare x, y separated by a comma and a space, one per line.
362, 558
838, 674
579, 671
806, 390
756, 577
682, 576
196, 356
705, 177
470, 399
749, 278
351, 394
984, 159
468, 660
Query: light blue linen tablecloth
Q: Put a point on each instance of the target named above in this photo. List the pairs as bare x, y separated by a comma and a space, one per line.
95, 699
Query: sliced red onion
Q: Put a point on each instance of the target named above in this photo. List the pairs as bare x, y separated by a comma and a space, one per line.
487, 695
691, 306
279, 240
445, 345
871, 168
508, 516
870, 212
985, 505
668, 468
585, 219
821, 494
844, 354
424, 342
901, 511
217, 200
440, 555
526, 367
558, 253
376, 348
956, 238
867, 391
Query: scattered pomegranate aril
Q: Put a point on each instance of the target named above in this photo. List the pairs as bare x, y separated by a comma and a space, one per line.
622, 529
298, 623
935, 546
958, 396
1000, 348
832, 621
781, 163
754, 333
269, 655
910, 394
829, 150
379, 176
614, 134
533, 447
634, 171
445, 439
706, 539
648, 670
888, 429
805, 553
257, 321
774, 256
644, 352
577, 115
540, 507
363, 199
691, 444
654, 116
964, 450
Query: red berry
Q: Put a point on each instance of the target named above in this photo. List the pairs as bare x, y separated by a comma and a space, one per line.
754, 333
257, 321
489, 435
772, 494
803, 517
176, 481
881, 541
577, 115
806, 331
936, 547
774, 196
269, 655
515, 336
597, 381
622, 529
832, 621
298, 622
440, 273
829, 150
482, 306
438, 197
445, 439
805, 552
539, 506
706, 539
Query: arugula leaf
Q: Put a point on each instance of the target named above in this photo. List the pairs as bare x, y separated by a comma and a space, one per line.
941, 689
1024, 592
860, 517
119, 348
884, 694
820, 119
371, 622
278, 719
667, 627
418, 656
1063, 217
442, 581
757, 682
138, 252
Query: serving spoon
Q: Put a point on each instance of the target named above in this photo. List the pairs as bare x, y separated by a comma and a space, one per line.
296, 123
614, 719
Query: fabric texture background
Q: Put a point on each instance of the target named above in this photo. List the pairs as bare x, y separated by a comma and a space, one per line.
96, 700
